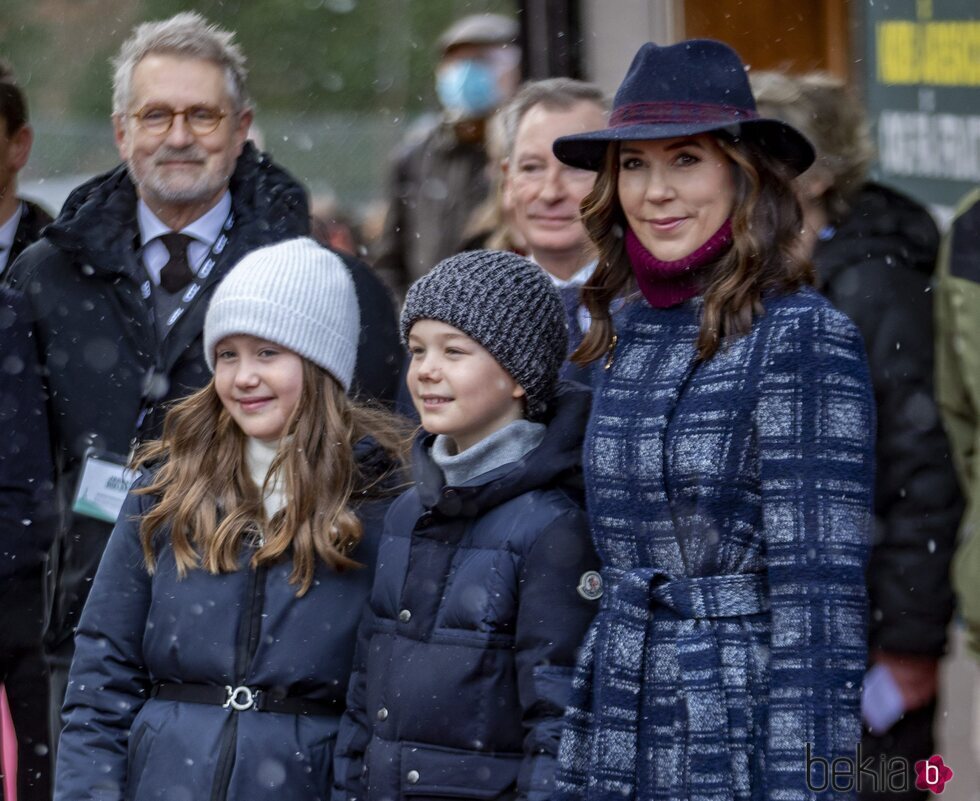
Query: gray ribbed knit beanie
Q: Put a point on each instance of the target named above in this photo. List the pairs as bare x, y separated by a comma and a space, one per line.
296, 294
508, 305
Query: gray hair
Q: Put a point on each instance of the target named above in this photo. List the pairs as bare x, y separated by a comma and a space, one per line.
831, 117
188, 35
556, 94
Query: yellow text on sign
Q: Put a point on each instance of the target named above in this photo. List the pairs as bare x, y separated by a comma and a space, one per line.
936, 53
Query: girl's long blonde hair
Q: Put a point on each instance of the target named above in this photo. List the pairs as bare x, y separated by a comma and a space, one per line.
209, 505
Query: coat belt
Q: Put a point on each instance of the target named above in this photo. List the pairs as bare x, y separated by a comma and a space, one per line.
700, 597
244, 698
633, 598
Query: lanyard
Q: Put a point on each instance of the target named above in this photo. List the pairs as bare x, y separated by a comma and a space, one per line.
200, 278
154, 378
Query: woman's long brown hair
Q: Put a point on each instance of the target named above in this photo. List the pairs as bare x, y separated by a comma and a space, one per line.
767, 252
210, 506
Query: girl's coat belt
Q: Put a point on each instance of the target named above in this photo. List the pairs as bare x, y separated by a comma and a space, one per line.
243, 698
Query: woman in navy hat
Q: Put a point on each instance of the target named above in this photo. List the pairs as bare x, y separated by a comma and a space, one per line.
729, 457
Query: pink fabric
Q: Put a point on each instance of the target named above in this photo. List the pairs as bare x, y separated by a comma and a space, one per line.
8, 748
667, 283
673, 112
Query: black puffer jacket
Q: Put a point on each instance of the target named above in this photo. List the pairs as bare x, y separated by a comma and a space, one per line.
465, 656
876, 267
98, 346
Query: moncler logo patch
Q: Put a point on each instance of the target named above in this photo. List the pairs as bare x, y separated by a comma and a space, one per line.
590, 585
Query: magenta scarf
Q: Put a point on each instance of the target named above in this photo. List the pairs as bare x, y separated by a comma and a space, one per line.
667, 283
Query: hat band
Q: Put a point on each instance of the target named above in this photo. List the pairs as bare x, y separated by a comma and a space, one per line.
679, 112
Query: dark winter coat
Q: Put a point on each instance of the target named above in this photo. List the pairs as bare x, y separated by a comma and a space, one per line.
876, 266
27, 520
99, 347
730, 501
32, 222
241, 628
958, 391
436, 182
378, 369
465, 655
25, 461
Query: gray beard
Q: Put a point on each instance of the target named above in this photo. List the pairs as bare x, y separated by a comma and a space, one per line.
198, 192
186, 195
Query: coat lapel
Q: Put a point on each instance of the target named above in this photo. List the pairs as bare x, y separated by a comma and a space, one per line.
642, 388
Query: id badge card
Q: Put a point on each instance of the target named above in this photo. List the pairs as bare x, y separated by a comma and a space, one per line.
102, 485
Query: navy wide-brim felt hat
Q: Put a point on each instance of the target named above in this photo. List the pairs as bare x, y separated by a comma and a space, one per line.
685, 89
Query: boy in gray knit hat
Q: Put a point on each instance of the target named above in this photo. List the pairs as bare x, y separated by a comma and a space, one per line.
507, 306
487, 578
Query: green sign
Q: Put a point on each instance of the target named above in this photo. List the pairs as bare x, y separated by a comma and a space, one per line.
924, 95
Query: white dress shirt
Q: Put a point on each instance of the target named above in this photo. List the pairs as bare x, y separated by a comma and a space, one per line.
204, 232
579, 279
8, 231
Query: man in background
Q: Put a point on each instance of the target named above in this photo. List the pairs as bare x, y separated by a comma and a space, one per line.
26, 526
119, 283
439, 176
544, 196
20, 220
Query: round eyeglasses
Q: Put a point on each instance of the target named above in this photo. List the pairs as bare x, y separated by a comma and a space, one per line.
200, 119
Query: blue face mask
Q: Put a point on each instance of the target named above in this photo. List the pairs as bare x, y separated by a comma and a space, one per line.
468, 89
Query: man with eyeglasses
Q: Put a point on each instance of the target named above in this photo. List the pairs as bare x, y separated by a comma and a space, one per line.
119, 283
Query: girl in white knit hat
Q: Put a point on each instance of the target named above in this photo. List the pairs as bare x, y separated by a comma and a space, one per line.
213, 654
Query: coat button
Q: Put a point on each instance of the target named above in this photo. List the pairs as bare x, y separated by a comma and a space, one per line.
404, 616
449, 493
413, 777
382, 714
424, 520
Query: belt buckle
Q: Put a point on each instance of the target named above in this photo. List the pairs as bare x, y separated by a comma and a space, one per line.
233, 701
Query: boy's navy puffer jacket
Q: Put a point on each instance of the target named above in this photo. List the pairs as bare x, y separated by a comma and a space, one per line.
466, 652
245, 628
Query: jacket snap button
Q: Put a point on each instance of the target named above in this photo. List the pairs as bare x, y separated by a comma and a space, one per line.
382, 714
413, 777
449, 493
404, 616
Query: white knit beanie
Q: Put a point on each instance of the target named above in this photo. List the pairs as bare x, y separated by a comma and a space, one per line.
296, 294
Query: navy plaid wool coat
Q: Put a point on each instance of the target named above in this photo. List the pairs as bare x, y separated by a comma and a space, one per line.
730, 502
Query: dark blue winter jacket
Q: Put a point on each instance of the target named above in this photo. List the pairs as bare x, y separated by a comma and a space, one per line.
27, 507
465, 654
241, 628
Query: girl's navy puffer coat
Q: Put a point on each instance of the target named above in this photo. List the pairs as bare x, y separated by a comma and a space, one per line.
466, 652
233, 629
